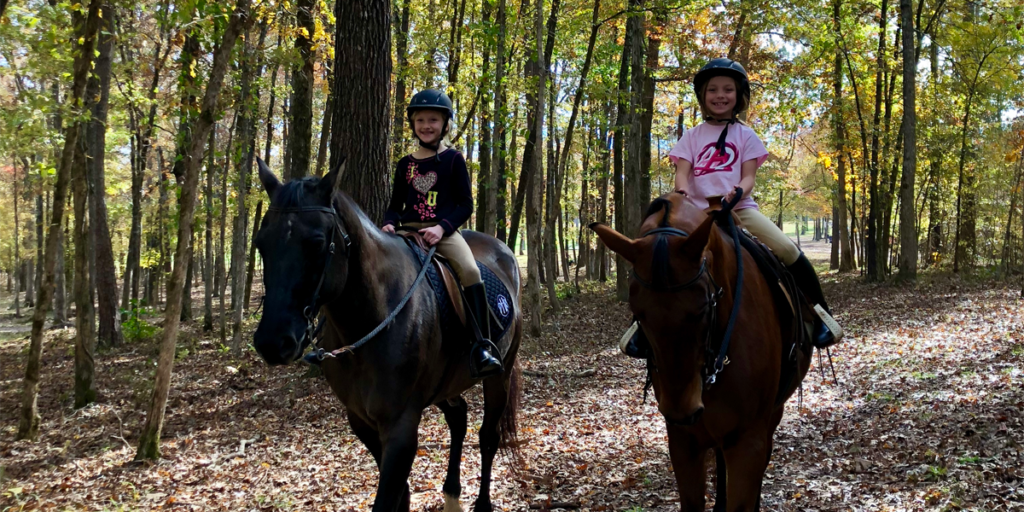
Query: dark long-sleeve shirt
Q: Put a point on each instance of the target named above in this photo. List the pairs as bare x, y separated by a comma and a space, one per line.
431, 190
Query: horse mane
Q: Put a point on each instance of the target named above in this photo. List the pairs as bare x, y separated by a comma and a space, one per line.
656, 206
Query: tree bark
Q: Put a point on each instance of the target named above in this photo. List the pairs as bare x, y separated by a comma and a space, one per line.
105, 279
401, 23
485, 202
208, 270
251, 266
498, 156
550, 247
362, 116
634, 193
908, 226
875, 248
846, 261
301, 130
84, 42
149, 442
530, 183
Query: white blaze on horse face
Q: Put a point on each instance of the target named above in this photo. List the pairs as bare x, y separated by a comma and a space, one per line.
288, 235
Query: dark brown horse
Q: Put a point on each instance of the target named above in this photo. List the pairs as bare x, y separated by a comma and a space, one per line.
681, 292
320, 249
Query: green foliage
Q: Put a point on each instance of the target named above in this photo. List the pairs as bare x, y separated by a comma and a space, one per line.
136, 328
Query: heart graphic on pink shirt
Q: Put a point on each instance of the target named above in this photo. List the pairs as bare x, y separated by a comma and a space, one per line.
423, 182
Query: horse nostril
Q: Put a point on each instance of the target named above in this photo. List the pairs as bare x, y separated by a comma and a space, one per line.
695, 417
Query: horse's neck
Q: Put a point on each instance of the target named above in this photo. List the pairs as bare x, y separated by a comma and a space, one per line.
373, 261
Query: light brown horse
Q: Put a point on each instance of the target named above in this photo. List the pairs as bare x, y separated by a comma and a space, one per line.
681, 292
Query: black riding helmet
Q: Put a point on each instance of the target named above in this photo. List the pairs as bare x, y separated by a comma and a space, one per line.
730, 68
430, 99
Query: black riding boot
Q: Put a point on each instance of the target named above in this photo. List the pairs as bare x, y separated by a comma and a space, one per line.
826, 330
635, 343
482, 357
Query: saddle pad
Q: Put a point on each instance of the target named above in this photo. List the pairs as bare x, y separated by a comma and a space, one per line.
498, 298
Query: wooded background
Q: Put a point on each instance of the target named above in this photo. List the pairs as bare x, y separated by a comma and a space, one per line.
894, 128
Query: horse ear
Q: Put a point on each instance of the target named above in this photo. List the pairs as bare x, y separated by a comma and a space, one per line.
693, 248
327, 183
270, 182
617, 242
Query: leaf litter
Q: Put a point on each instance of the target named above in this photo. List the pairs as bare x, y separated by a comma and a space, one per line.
926, 415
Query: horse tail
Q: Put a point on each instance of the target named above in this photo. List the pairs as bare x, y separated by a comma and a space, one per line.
508, 426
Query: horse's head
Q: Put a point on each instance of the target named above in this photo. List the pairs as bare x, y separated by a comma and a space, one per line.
671, 293
295, 241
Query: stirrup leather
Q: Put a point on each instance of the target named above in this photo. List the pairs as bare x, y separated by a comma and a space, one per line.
830, 323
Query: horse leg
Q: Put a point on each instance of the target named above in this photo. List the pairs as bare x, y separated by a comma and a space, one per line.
455, 415
495, 399
368, 435
720, 481
746, 462
688, 463
399, 442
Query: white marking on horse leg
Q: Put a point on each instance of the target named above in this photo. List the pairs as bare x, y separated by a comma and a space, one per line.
451, 503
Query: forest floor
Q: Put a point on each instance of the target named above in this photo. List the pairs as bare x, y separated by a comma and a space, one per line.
927, 415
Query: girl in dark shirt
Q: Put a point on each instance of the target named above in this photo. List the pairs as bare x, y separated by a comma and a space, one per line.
431, 194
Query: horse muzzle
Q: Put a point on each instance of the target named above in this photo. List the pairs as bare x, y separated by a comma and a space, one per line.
278, 348
684, 421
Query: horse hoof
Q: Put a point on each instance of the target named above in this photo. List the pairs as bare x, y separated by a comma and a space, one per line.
483, 506
451, 503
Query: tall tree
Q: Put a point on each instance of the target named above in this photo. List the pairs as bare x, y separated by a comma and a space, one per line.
149, 438
84, 43
401, 25
908, 218
846, 261
301, 132
109, 333
530, 183
362, 115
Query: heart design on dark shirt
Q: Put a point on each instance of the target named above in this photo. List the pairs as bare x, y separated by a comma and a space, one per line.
423, 182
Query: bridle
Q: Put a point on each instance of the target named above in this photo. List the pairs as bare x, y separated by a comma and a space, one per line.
310, 312
313, 327
713, 293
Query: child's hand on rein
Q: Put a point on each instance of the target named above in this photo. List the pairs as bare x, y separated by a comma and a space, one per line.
388, 228
432, 234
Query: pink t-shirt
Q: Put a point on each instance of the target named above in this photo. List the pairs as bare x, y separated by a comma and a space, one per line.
716, 174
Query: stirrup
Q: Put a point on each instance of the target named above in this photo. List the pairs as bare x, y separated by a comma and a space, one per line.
831, 324
494, 366
627, 337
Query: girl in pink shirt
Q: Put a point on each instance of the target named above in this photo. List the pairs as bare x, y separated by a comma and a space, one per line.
721, 154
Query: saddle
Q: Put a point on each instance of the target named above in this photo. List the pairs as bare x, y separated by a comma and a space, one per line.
448, 290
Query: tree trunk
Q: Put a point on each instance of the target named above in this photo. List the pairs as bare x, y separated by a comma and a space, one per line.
621, 118
85, 317
498, 156
875, 247
149, 438
325, 131
17, 250
552, 211
105, 279
401, 24
248, 101
208, 271
301, 130
84, 41
602, 215
846, 261
186, 293
362, 119
485, 199
935, 169
908, 226
634, 192
530, 184
251, 266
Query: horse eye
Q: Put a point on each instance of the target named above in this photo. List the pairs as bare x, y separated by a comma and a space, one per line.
315, 244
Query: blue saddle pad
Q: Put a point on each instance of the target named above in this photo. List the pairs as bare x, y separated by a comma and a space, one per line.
498, 298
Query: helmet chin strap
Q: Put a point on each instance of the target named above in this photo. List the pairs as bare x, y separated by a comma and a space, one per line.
720, 145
